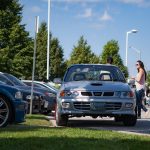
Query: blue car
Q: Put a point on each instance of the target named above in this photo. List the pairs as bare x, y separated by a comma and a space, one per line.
12, 107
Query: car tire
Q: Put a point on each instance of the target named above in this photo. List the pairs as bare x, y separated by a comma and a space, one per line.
5, 111
61, 120
129, 120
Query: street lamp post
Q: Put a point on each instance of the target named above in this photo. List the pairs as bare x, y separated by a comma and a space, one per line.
48, 38
127, 35
137, 50
34, 58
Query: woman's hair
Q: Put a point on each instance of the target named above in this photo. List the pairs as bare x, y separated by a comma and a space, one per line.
142, 66
109, 60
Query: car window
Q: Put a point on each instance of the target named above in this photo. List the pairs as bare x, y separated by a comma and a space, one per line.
93, 73
27, 83
35, 85
53, 88
3, 79
15, 80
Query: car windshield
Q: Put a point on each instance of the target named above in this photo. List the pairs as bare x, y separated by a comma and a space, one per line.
94, 73
13, 79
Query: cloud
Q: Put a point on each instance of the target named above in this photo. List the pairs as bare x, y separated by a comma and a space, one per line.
87, 13
132, 1
105, 16
75, 1
36, 9
143, 3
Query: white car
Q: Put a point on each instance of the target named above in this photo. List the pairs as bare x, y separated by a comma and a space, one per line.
95, 90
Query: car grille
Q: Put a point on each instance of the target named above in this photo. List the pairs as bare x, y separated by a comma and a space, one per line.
86, 93
107, 105
112, 106
109, 94
100, 106
82, 105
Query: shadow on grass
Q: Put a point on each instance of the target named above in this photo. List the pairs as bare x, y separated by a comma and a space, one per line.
41, 117
72, 143
23, 128
94, 123
142, 126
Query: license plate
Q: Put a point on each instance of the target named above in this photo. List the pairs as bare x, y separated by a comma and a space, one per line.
99, 106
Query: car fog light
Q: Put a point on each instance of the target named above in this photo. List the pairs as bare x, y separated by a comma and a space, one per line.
18, 95
128, 105
65, 105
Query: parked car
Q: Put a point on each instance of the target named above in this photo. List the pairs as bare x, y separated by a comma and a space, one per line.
40, 84
12, 106
96, 91
40, 102
51, 91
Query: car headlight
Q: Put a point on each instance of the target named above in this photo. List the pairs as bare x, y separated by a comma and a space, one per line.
34, 97
50, 94
68, 93
18, 95
129, 94
28, 97
65, 104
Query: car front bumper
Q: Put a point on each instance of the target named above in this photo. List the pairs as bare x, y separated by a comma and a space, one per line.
20, 110
101, 107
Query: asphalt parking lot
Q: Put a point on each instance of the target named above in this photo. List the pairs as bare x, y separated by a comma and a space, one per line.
142, 126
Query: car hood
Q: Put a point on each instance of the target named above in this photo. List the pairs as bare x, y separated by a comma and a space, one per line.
96, 86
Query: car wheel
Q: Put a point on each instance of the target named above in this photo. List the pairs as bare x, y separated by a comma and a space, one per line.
129, 120
61, 120
5, 111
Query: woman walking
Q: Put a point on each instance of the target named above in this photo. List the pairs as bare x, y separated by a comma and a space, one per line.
140, 88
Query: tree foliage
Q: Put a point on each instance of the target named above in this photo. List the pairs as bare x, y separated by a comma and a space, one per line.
41, 57
112, 49
82, 54
57, 65
148, 78
15, 45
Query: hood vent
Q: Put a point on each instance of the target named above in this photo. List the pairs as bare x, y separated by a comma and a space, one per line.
96, 84
108, 94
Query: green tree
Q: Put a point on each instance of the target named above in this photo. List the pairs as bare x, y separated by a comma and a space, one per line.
15, 45
57, 65
41, 61
112, 49
82, 54
148, 78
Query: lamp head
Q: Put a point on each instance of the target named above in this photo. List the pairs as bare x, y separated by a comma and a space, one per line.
134, 31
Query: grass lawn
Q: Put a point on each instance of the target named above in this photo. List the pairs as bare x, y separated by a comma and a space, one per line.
35, 134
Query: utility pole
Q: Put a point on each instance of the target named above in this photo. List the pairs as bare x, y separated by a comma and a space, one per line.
48, 39
34, 58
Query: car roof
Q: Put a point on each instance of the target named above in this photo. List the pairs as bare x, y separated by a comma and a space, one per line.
110, 65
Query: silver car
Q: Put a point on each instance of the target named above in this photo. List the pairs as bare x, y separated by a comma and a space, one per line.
96, 91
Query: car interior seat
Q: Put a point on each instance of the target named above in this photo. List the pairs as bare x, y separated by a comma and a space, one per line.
79, 77
105, 77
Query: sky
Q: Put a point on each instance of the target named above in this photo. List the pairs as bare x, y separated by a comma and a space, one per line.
98, 21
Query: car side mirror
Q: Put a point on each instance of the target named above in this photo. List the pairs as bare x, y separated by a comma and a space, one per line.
57, 81
131, 83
